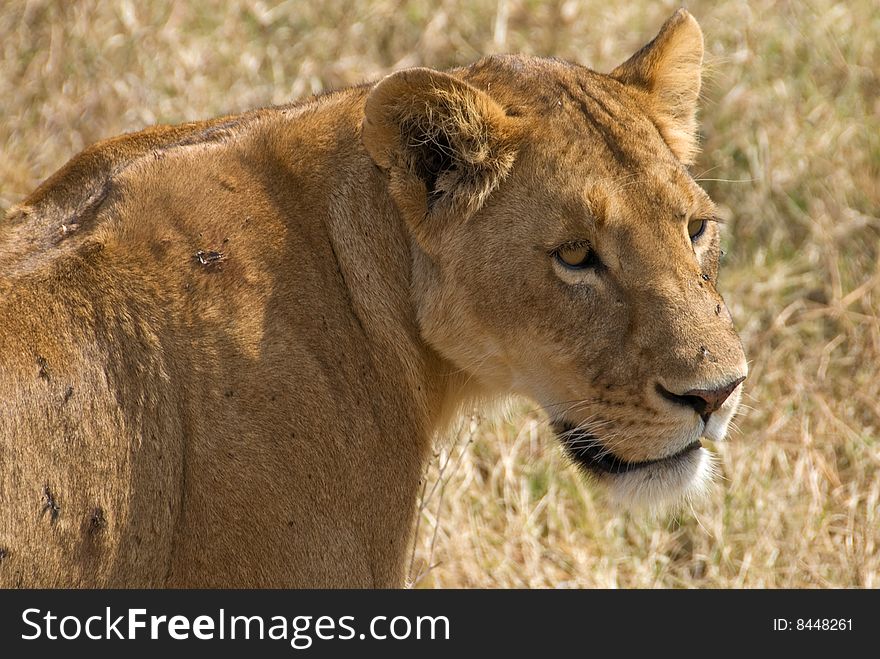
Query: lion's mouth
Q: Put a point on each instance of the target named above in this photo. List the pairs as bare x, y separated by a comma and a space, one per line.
586, 450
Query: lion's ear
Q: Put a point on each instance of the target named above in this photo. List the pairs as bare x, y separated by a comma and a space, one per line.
445, 144
669, 70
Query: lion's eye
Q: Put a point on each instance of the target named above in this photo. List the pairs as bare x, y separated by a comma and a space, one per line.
696, 228
576, 256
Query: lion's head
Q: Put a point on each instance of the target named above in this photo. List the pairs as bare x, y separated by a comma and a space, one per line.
563, 251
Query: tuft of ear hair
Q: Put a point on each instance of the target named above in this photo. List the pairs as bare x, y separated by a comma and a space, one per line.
669, 70
444, 143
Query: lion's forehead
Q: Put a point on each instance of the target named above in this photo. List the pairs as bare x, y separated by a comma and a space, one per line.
571, 193
576, 103
591, 138
647, 196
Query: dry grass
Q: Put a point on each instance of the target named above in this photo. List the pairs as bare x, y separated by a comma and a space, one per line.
791, 122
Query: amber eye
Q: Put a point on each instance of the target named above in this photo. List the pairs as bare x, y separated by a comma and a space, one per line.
576, 256
696, 228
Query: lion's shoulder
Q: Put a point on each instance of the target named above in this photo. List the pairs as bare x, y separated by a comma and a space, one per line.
65, 201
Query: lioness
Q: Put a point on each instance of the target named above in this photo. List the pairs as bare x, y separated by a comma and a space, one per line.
225, 346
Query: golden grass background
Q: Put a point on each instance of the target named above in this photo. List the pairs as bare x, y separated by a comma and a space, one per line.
791, 150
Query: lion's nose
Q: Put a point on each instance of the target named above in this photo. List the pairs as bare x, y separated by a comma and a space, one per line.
702, 401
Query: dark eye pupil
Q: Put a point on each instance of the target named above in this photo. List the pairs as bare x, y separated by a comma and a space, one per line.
696, 228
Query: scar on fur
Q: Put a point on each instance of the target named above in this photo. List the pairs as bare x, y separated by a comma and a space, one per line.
69, 228
705, 353
97, 520
44, 367
3, 554
210, 258
68, 392
49, 504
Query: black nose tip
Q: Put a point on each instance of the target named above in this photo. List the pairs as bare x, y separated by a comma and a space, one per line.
703, 401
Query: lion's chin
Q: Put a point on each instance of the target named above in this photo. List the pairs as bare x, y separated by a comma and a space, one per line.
652, 486
663, 487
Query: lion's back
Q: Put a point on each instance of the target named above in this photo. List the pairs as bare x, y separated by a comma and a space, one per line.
173, 313
93, 424
89, 437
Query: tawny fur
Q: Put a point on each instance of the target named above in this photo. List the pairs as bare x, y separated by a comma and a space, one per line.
225, 346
